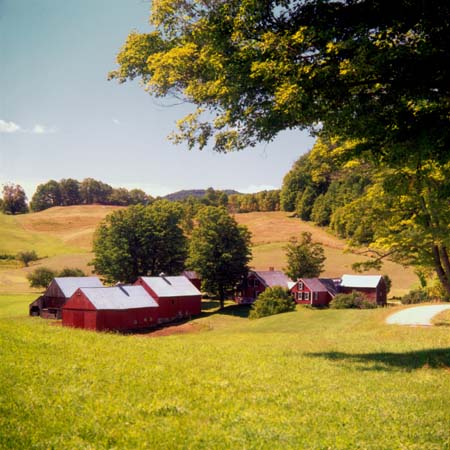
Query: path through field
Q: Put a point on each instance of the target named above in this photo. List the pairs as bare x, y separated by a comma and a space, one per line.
420, 315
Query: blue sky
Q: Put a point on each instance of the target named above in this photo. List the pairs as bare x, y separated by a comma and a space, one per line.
61, 118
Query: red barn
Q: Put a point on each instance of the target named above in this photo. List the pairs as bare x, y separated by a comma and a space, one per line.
58, 293
373, 286
176, 296
314, 291
116, 308
258, 281
194, 278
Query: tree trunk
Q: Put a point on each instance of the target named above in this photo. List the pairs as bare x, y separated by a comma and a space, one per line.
443, 278
221, 297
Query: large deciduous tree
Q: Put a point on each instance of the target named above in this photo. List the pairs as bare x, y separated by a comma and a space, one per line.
219, 251
305, 258
375, 71
14, 199
140, 241
46, 196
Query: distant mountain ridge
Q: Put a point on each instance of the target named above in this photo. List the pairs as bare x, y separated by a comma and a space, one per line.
196, 193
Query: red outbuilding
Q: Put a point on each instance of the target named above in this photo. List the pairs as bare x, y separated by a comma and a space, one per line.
194, 278
258, 281
314, 291
118, 308
176, 296
49, 305
372, 286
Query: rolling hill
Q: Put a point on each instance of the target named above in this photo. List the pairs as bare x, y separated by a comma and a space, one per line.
63, 237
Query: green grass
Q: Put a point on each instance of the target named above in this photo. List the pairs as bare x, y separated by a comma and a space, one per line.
312, 379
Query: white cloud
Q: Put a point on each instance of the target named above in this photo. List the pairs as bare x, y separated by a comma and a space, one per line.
8, 127
116, 121
41, 129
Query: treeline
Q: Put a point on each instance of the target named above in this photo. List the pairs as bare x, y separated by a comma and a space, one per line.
326, 188
68, 191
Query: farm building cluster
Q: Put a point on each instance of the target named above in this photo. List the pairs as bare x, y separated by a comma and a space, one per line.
83, 302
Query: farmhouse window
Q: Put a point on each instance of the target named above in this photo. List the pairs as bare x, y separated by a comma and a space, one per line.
300, 286
299, 295
306, 295
315, 295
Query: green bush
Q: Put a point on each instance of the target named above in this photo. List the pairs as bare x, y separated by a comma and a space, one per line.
355, 300
7, 257
273, 300
71, 272
41, 277
415, 296
26, 257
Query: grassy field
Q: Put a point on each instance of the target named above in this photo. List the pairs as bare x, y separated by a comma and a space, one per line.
63, 236
309, 379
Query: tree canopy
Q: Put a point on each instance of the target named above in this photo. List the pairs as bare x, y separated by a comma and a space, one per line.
140, 241
372, 71
219, 251
14, 199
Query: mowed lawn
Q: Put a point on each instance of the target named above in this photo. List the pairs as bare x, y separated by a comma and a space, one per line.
310, 379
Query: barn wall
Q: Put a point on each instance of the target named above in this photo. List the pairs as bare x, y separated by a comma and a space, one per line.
172, 308
370, 293
53, 290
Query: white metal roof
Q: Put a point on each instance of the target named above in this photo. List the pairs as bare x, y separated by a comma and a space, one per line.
360, 281
178, 286
69, 285
119, 297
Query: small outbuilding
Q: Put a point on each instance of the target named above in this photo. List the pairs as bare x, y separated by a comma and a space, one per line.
49, 305
314, 291
258, 281
372, 286
118, 308
176, 296
194, 278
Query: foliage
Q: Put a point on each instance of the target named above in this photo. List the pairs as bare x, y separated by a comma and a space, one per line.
219, 251
46, 196
388, 281
273, 300
140, 241
305, 258
70, 192
415, 296
41, 277
350, 301
71, 272
7, 256
26, 257
14, 199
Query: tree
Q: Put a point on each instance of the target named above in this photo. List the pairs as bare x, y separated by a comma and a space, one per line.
274, 300
41, 277
373, 71
219, 251
26, 257
93, 191
70, 192
305, 258
14, 199
140, 241
47, 195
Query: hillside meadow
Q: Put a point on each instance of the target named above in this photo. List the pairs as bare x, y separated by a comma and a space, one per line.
310, 379
63, 237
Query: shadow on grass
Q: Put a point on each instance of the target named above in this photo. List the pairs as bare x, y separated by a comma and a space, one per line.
436, 359
212, 307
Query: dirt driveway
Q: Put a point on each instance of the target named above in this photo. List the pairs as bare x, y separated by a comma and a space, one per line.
419, 315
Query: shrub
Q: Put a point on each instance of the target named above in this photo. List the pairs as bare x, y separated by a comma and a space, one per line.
41, 277
71, 272
355, 300
7, 257
415, 296
26, 257
273, 300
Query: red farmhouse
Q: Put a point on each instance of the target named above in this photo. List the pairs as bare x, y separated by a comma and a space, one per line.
58, 293
373, 286
176, 296
314, 291
194, 278
117, 308
258, 281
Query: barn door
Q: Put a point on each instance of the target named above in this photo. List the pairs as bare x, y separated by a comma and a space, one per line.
78, 319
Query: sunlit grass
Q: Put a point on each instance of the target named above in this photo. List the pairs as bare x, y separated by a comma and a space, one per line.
308, 379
